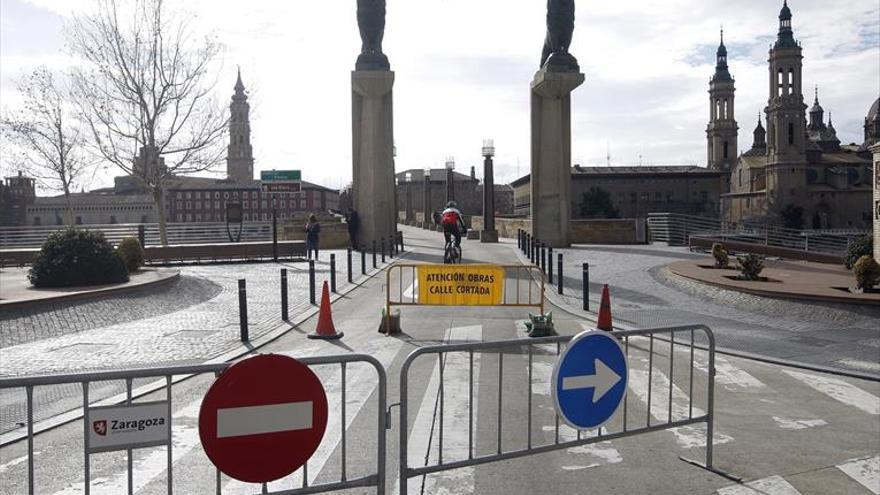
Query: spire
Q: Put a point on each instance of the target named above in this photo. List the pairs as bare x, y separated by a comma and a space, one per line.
239, 86
721, 69
816, 113
786, 37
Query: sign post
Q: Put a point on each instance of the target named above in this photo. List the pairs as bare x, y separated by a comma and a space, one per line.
263, 418
589, 380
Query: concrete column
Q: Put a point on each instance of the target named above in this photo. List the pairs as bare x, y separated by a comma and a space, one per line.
551, 155
488, 234
372, 133
450, 185
426, 221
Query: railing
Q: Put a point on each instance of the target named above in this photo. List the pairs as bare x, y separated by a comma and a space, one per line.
664, 407
677, 229
166, 377
178, 233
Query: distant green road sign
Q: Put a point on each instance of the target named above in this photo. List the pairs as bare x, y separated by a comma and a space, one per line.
281, 175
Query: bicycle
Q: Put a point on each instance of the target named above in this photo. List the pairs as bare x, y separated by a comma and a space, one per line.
451, 252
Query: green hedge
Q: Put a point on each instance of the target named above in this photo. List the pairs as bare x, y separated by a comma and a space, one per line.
75, 257
132, 253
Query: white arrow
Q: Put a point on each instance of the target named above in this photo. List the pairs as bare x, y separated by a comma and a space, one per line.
604, 379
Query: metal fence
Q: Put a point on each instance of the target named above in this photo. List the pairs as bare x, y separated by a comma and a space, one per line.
167, 375
178, 233
676, 229
653, 347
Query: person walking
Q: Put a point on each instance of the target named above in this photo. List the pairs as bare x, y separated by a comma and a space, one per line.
313, 228
351, 218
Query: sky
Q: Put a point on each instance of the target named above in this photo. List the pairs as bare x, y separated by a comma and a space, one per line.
463, 69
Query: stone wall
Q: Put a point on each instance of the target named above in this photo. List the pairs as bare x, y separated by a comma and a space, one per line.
617, 231
334, 235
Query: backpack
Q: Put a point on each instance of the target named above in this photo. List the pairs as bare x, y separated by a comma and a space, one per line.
450, 218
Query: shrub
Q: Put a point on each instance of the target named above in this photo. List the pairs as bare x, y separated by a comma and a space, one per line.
132, 253
720, 255
858, 247
75, 257
750, 266
867, 272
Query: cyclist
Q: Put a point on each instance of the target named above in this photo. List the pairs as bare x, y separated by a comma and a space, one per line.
453, 224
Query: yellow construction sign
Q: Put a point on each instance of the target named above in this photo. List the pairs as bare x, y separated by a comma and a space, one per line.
461, 285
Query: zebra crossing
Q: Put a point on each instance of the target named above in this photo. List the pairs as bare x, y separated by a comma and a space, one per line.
674, 397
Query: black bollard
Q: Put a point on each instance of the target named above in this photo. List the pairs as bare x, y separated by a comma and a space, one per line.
559, 269
374, 254
242, 310
382, 243
586, 280
544, 258
519, 238
550, 265
391, 244
348, 264
402, 247
363, 261
142, 236
312, 281
284, 294
528, 240
332, 272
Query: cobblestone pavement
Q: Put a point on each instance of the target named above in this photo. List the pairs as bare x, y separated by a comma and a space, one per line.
189, 321
646, 294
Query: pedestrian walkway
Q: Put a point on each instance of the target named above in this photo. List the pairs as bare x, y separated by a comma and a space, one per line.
778, 428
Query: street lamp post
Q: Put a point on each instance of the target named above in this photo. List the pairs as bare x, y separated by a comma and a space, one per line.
427, 191
488, 234
450, 179
274, 232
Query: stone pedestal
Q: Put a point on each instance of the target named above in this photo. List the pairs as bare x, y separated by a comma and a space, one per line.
551, 155
372, 134
488, 234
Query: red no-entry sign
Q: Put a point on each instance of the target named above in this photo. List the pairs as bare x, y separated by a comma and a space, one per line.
263, 418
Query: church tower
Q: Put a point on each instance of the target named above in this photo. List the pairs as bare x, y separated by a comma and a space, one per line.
239, 154
722, 129
786, 117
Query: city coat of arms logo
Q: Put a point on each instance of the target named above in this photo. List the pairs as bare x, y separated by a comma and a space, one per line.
100, 427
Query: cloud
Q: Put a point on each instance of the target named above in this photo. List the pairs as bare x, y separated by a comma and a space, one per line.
463, 70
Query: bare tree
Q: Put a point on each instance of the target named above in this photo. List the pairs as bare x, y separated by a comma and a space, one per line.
147, 94
48, 137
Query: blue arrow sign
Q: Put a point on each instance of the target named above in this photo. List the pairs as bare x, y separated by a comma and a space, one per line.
589, 380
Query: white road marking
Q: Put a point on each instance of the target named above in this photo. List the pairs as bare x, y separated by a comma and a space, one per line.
686, 436
16, 461
359, 388
603, 452
258, 420
424, 436
726, 374
864, 471
151, 462
798, 424
839, 390
774, 485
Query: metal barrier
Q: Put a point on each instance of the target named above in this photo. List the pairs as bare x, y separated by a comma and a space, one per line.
521, 289
168, 373
532, 349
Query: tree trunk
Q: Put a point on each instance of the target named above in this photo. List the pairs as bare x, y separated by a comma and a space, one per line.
159, 196
69, 205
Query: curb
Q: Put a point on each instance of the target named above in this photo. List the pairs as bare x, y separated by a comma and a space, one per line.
777, 295
233, 352
88, 294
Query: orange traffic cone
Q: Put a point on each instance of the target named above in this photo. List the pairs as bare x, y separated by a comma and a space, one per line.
605, 311
325, 328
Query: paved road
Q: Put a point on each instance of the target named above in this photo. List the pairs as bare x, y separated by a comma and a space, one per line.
645, 294
785, 431
190, 321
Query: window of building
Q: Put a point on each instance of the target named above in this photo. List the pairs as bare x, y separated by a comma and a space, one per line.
246, 217
216, 205
36, 220
189, 205
265, 217
725, 150
58, 220
658, 196
198, 195
198, 205
740, 177
632, 197
254, 204
179, 217
112, 218
179, 195
704, 196
263, 203
188, 195
189, 217
216, 194
791, 133
244, 195
198, 217
79, 220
